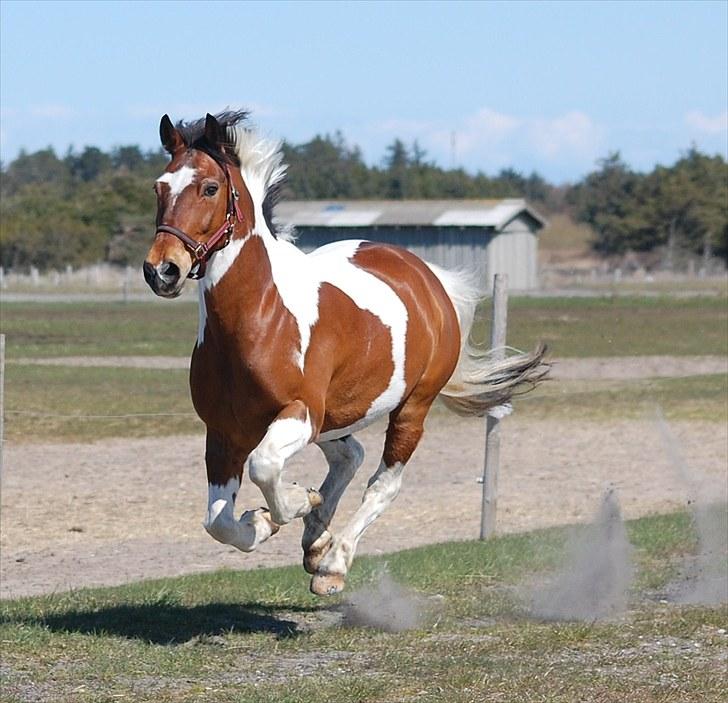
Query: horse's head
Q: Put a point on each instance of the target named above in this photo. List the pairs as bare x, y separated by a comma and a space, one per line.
197, 204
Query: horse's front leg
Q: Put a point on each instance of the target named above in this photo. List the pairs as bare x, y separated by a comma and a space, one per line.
289, 432
224, 471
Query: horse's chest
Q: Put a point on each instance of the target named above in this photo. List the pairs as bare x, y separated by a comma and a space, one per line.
235, 394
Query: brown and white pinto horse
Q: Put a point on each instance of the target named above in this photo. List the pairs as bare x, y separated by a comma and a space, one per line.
295, 348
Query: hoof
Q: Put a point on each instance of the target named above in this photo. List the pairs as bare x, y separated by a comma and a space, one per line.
315, 498
312, 557
327, 584
265, 514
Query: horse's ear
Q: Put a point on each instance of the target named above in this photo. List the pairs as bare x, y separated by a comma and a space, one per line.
170, 136
213, 131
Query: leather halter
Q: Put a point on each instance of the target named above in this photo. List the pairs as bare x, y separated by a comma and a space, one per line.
201, 251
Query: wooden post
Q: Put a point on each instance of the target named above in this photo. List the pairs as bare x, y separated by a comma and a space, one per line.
492, 428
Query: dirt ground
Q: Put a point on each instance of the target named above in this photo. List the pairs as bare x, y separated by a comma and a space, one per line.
120, 510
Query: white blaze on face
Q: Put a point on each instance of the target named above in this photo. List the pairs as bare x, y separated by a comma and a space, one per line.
177, 181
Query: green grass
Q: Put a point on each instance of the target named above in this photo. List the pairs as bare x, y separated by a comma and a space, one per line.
62, 403
104, 329
583, 327
573, 327
65, 403
259, 636
702, 398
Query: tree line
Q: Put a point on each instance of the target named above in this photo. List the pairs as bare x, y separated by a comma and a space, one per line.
93, 205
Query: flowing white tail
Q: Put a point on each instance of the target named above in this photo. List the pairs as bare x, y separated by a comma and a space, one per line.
481, 382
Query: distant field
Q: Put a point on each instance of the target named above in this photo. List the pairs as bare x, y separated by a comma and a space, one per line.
573, 327
62, 403
65, 403
260, 637
615, 326
62, 329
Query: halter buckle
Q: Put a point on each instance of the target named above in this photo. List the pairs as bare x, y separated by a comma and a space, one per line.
200, 251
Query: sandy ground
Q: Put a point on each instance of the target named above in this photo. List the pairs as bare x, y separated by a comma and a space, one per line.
119, 510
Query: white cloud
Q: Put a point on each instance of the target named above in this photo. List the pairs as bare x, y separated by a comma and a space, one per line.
489, 139
574, 134
706, 124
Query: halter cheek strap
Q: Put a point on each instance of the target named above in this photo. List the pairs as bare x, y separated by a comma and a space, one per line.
201, 251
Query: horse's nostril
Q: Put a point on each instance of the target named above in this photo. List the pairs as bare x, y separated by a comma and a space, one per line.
149, 273
169, 271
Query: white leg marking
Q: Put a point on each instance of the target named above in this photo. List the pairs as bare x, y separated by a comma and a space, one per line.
283, 439
382, 490
177, 181
245, 534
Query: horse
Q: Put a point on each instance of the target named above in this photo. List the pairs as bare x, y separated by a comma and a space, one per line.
296, 348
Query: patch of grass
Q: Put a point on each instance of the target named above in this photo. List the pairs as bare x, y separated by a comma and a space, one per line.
54, 403
573, 327
616, 326
703, 398
259, 636
104, 329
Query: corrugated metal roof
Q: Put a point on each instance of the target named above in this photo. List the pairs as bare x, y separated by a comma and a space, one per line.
376, 213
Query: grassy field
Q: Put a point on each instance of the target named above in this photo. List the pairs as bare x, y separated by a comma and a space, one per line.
573, 327
73, 403
261, 637
89, 329
61, 403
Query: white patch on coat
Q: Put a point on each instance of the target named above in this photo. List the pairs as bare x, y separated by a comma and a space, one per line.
298, 278
177, 181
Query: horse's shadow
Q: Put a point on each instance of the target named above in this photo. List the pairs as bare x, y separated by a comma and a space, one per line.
170, 623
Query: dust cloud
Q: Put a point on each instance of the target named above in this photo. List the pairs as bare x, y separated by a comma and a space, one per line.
597, 572
384, 605
704, 577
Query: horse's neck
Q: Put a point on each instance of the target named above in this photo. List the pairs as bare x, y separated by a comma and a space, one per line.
237, 295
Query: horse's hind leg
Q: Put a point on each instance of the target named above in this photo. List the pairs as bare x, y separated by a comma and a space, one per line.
403, 434
344, 457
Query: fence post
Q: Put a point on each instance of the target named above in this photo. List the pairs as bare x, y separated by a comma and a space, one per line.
492, 427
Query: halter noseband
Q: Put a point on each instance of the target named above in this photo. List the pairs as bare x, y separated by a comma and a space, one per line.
201, 251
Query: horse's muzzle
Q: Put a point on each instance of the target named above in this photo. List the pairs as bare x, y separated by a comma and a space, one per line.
165, 279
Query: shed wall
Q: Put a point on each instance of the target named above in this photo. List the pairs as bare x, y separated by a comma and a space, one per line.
514, 251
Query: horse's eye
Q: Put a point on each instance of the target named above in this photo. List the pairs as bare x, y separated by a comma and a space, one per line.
210, 190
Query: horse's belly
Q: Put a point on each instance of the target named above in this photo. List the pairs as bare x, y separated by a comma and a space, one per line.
337, 432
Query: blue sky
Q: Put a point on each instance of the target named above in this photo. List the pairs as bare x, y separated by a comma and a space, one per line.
548, 86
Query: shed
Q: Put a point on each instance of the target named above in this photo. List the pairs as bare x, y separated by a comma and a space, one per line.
489, 236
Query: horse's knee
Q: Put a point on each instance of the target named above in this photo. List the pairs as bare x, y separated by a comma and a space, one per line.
264, 466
